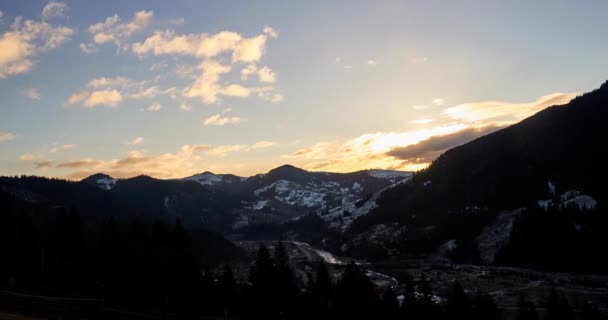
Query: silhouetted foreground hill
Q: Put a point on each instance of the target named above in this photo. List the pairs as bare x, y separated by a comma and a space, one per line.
557, 153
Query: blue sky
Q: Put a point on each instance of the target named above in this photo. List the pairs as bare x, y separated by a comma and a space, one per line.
170, 89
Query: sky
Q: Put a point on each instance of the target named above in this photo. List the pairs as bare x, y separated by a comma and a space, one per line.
174, 88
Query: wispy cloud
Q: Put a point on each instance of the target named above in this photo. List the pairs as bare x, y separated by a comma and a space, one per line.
32, 93
28, 156
88, 48
62, 147
114, 30
189, 159
497, 111
427, 150
112, 91
154, 107
136, 141
54, 9
7, 136
422, 121
415, 149
365, 151
438, 101
219, 120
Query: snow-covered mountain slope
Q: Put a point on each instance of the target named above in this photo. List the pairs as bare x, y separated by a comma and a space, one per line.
210, 179
341, 217
289, 192
101, 180
283, 193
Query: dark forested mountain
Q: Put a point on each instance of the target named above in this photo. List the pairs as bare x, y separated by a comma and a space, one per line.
221, 202
554, 159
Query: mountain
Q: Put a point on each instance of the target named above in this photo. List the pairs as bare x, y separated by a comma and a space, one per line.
221, 202
550, 159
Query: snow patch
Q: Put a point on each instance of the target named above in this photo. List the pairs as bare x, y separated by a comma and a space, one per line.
392, 176
496, 235
569, 197
106, 183
206, 178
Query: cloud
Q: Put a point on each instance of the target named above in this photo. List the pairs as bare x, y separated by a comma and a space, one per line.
7, 136
113, 30
27, 39
365, 151
53, 9
414, 150
109, 82
109, 98
218, 54
271, 32
32, 93
438, 101
372, 63
207, 86
263, 145
218, 120
111, 91
429, 149
422, 121
74, 164
88, 48
62, 148
506, 112
185, 107
187, 160
27, 157
223, 150
136, 141
43, 164
154, 107
419, 107
266, 75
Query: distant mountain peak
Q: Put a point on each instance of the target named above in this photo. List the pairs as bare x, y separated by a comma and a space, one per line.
95, 177
100, 180
286, 168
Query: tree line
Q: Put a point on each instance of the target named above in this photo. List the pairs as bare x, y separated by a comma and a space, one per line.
163, 268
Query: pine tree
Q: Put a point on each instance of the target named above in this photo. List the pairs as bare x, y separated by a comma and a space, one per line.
458, 304
286, 288
558, 307
409, 305
527, 310
262, 296
484, 307
390, 304
355, 293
